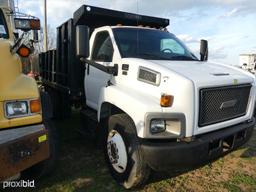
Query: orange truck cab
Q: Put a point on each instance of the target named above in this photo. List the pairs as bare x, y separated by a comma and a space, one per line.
24, 137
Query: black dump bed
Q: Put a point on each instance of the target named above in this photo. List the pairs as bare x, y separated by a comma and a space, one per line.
60, 68
95, 17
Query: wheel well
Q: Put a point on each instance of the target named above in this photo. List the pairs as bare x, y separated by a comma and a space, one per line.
108, 109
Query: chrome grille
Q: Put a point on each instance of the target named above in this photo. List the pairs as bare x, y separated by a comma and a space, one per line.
223, 103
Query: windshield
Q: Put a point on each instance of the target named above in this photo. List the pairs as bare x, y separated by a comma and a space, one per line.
151, 44
3, 28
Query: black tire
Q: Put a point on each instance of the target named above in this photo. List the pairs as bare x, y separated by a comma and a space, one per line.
65, 106
60, 104
137, 171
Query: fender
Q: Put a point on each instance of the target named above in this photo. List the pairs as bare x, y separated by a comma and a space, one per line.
132, 102
22, 88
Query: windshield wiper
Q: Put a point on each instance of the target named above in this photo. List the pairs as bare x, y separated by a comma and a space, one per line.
152, 56
184, 58
159, 57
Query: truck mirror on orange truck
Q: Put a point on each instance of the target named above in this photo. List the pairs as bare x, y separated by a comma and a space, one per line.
154, 103
26, 148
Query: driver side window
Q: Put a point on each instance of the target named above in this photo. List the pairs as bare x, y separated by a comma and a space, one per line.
170, 44
103, 48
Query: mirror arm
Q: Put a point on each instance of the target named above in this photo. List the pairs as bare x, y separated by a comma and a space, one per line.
113, 70
16, 44
109, 70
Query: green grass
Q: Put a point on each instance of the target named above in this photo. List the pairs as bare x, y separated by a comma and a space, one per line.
241, 182
242, 178
231, 187
81, 167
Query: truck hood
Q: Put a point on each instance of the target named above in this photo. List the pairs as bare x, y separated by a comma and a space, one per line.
206, 73
10, 65
13, 84
184, 80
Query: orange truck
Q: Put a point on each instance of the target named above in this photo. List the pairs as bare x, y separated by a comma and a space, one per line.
26, 148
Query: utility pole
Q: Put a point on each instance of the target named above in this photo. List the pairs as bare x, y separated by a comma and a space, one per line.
45, 27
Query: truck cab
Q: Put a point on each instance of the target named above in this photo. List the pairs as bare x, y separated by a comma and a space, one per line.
23, 135
158, 64
155, 103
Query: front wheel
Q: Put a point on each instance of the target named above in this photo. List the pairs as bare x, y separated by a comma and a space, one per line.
123, 153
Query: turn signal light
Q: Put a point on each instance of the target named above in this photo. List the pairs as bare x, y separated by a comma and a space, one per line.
35, 24
23, 51
35, 106
166, 100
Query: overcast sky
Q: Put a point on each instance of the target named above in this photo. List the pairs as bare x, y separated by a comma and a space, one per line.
228, 25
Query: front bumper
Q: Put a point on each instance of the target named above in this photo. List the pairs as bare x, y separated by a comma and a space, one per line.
21, 148
161, 156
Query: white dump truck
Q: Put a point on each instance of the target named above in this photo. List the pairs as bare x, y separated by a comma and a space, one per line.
155, 105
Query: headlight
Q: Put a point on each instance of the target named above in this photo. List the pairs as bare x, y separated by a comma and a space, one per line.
14, 109
170, 128
157, 126
18, 108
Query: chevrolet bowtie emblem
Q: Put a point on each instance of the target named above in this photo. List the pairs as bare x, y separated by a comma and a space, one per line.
228, 104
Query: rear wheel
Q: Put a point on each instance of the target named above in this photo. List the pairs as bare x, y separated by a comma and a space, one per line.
60, 104
123, 152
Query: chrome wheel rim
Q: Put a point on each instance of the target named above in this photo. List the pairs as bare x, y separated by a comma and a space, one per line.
117, 153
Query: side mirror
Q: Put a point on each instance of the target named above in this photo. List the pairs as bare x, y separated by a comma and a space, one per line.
82, 41
204, 50
27, 24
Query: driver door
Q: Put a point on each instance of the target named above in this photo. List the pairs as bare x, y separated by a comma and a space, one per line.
95, 79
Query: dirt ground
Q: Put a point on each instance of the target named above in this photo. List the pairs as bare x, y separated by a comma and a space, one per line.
81, 167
